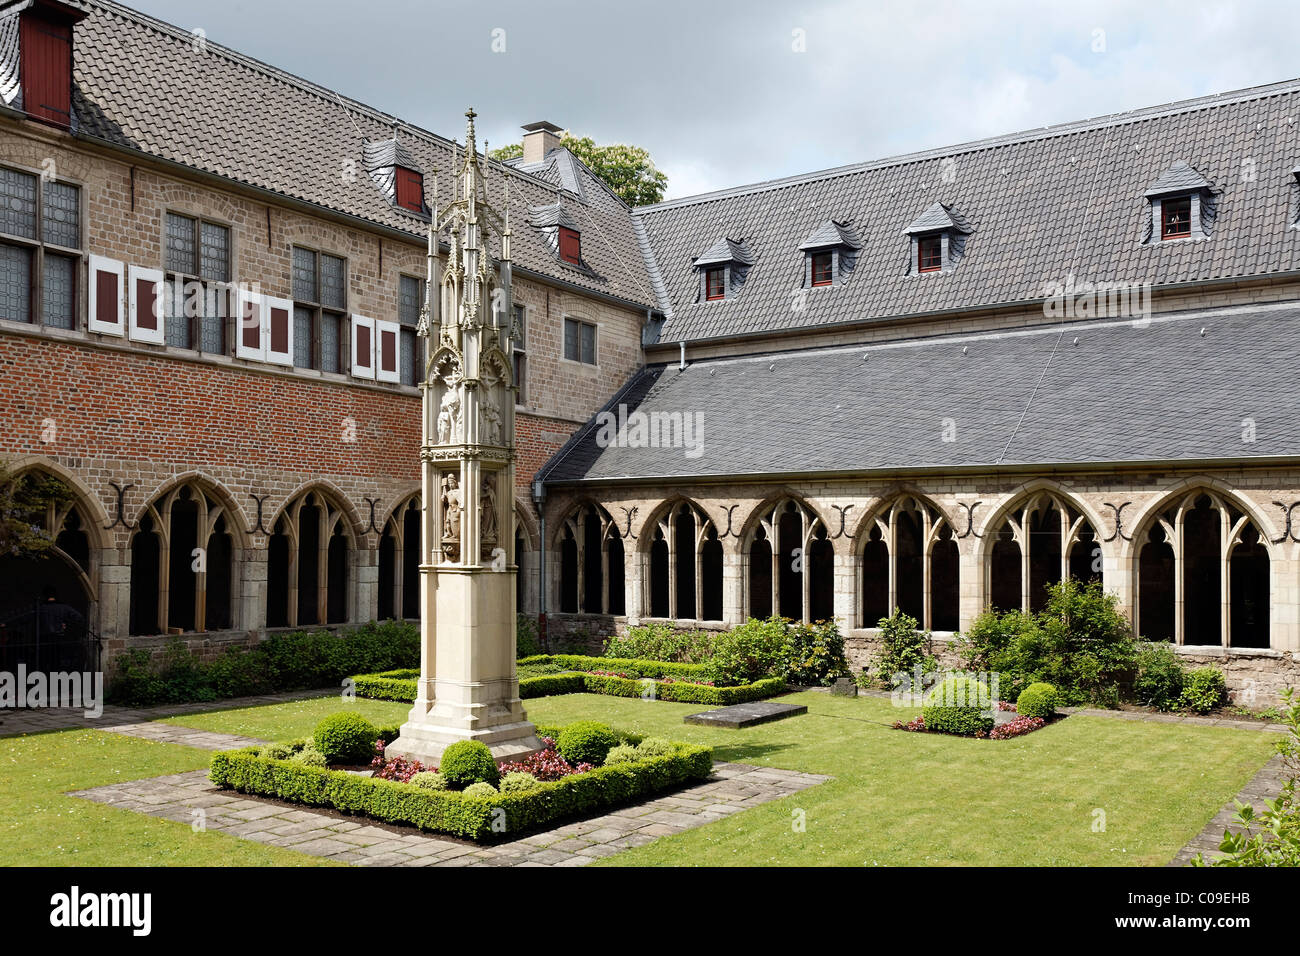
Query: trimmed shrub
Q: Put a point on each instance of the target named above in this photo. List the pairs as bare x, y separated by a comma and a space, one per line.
1160, 676
309, 756
959, 705
345, 737
659, 641
748, 652
1203, 690
903, 649
468, 761
1037, 700
654, 747
517, 781
480, 789
430, 780
587, 741
623, 753
813, 654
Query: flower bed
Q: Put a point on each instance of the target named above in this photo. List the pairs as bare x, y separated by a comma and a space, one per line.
626, 678
465, 813
1013, 728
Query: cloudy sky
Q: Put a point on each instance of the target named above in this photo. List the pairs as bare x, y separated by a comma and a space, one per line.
733, 92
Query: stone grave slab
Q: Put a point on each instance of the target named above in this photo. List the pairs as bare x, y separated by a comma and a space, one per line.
745, 715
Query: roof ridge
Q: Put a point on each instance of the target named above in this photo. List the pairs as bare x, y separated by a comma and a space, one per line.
1103, 121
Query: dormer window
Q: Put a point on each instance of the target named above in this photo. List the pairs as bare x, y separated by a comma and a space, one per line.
570, 246
1183, 205
1176, 217
722, 269
410, 189
929, 254
823, 268
829, 254
938, 239
44, 61
715, 284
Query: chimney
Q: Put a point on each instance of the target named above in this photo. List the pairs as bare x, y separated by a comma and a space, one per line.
539, 139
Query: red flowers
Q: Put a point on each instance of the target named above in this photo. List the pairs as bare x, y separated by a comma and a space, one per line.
547, 765
1021, 725
916, 723
398, 768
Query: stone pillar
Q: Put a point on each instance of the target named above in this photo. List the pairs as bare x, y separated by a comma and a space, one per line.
971, 587
846, 592
734, 568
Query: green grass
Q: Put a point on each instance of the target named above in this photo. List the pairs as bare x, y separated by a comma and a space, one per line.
919, 799
40, 826
295, 719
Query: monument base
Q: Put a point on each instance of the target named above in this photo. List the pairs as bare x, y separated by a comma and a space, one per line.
425, 742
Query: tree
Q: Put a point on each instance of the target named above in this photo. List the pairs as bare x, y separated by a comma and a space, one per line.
24, 504
627, 170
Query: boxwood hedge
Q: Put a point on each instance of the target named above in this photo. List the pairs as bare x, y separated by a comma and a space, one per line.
448, 811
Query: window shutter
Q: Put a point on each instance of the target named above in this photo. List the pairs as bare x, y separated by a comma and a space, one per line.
145, 293
278, 316
105, 312
363, 347
570, 246
386, 352
410, 189
47, 69
250, 324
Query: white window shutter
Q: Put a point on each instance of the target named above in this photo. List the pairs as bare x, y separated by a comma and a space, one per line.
387, 334
250, 326
106, 288
277, 317
146, 293
363, 347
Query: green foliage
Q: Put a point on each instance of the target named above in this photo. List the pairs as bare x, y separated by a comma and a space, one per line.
623, 753
959, 705
749, 651
903, 649
24, 503
309, 756
1080, 642
517, 781
346, 737
1160, 676
446, 811
1203, 690
1271, 837
303, 659
480, 790
526, 640
627, 170
660, 641
654, 747
813, 654
429, 780
587, 741
1037, 700
468, 761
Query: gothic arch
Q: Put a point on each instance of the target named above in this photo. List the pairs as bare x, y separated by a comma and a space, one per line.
338, 498
682, 560
314, 538
1204, 569
1041, 534
96, 515
399, 559
591, 561
788, 561
908, 558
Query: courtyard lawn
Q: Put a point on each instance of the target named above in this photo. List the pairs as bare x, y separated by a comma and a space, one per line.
40, 826
902, 798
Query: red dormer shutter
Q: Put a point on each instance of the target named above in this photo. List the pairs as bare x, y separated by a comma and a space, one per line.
410, 189
47, 69
570, 246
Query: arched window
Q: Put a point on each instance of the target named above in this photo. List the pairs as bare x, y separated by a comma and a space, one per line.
791, 564
685, 566
922, 579
1204, 576
46, 591
309, 564
591, 563
182, 564
399, 562
1041, 541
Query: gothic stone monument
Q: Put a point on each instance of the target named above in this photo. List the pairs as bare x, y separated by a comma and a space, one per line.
468, 688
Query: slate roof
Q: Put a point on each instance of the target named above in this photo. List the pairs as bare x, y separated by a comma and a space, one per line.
141, 83
830, 233
936, 218
1044, 204
724, 251
1081, 392
1178, 178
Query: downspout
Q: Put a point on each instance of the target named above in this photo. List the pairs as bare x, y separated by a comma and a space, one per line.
539, 499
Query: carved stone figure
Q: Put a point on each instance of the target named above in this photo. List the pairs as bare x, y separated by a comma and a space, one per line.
489, 420
451, 505
449, 416
488, 510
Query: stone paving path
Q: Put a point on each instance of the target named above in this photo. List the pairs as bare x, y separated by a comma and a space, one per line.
187, 797
114, 718
1265, 785
185, 736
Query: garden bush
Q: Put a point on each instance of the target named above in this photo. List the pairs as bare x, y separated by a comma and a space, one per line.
430, 780
1160, 676
903, 649
659, 641
1037, 700
309, 756
480, 789
466, 762
345, 737
587, 741
813, 654
654, 747
959, 705
749, 651
623, 753
518, 781
526, 640
1203, 690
